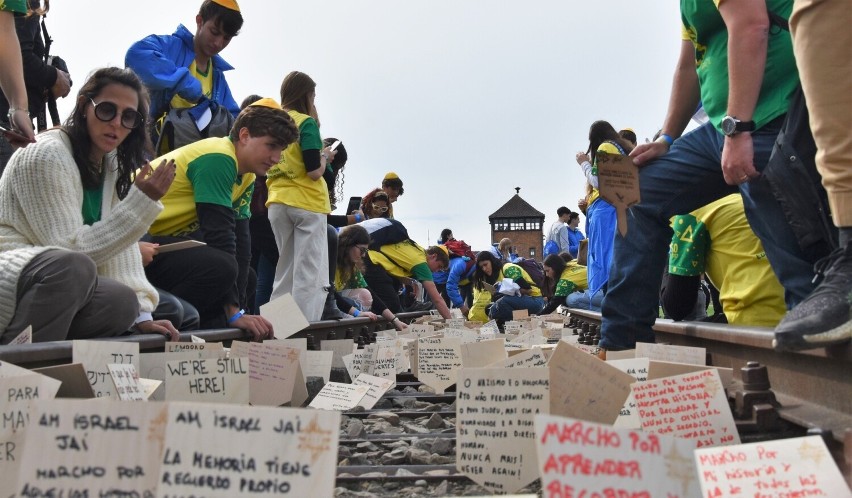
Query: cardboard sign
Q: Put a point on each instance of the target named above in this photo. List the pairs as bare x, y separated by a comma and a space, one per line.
494, 425
529, 358
519, 314
384, 364
621, 355
660, 369
195, 339
420, 330
438, 361
462, 333
80, 448
340, 347
153, 366
360, 361
618, 181
293, 342
242, 451
179, 246
690, 406
785, 467
670, 353
285, 316
239, 349
72, 378
126, 382
483, 353
209, 380
16, 392
96, 355
317, 364
180, 347
578, 458
377, 387
628, 418
25, 337
339, 396
584, 387
274, 373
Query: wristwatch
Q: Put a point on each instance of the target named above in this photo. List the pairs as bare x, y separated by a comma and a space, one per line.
731, 126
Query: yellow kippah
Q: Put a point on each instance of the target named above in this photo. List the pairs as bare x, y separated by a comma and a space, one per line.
228, 4
444, 248
267, 102
391, 176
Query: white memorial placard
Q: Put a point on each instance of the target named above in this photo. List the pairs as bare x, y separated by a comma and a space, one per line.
208, 380
578, 458
285, 316
377, 387
671, 353
274, 372
126, 381
628, 418
248, 451
438, 361
96, 355
339, 396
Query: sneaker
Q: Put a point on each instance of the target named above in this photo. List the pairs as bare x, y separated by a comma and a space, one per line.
822, 319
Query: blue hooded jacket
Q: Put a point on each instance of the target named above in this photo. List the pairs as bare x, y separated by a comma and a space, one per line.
162, 62
455, 274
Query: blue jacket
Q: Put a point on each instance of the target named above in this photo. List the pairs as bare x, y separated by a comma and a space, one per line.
574, 238
455, 275
162, 62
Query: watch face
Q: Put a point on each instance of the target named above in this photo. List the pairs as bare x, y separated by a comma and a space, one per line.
729, 125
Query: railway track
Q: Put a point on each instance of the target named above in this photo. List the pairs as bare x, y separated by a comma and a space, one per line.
405, 446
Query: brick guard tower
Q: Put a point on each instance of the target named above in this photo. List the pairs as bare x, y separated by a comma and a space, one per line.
522, 223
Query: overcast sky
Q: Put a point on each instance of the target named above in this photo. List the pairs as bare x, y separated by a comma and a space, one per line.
465, 100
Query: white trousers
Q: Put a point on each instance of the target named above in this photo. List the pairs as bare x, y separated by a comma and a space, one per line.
303, 257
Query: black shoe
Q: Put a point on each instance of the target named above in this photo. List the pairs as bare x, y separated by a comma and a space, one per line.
330, 310
822, 319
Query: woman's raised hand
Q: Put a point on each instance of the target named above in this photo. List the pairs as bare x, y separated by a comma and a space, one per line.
156, 183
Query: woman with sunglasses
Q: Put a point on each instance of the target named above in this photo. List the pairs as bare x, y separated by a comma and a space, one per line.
71, 215
358, 300
379, 206
299, 203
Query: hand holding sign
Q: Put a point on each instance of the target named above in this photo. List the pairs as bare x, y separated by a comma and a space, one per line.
619, 184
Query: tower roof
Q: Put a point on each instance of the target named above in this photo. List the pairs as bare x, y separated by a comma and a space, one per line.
516, 208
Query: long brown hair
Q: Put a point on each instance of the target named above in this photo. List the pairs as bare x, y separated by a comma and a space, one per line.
131, 153
348, 238
295, 94
601, 131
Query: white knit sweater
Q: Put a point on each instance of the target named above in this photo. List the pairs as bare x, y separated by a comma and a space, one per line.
41, 199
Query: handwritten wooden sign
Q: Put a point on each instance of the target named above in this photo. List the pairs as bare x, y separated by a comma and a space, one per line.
483, 353
209, 380
377, 387
671, 353
628, 418
25, 337
584, 387
226, 451
438, 361
690, 406
179, 347
126, 382
317, 364
494, 425
79, 448
618, 184
529, 358
339, 396
417, 331
785, 467
273, 373
16, 392
340, 347
585, 459
384, 364
95, 355
153, 366
285, 315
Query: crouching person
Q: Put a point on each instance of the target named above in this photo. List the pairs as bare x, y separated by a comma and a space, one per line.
494, 273
393, 256
70, 216
209, 202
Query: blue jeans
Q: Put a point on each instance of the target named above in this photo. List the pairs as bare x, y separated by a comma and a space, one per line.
503, 308
688, 177
584, 300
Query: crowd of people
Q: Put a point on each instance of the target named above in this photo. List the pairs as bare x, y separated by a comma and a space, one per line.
159, 152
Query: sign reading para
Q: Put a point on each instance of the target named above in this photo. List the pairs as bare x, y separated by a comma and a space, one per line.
786, 467
225, 451
577, 458
690, 406
494, 426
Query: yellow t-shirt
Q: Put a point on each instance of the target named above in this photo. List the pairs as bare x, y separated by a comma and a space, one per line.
717, 239
206, 80
403, 260
574, 278
206, 171
513, 271
288, 181
481, 299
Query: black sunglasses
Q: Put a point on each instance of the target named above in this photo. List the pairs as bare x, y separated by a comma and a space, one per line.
106, 111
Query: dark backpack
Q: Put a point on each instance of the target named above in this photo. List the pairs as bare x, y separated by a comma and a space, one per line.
793, 178
535, 271
178, 128
384, 231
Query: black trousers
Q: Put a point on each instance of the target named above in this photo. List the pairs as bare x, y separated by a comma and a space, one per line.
383, 285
